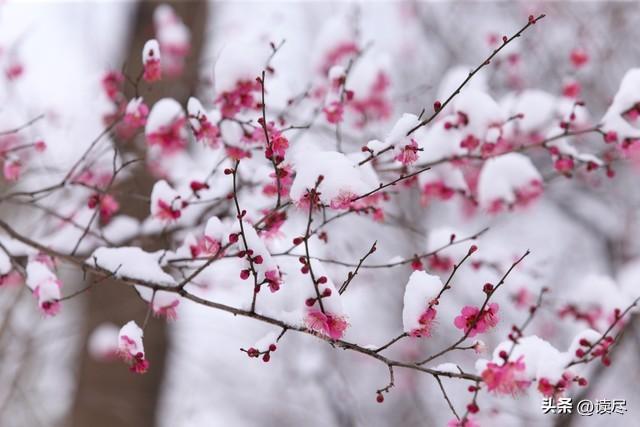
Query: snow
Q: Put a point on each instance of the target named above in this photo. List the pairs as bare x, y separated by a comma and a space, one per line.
337, 72
541, 359
48, 290
5, 263
501, 176
455, 76
448, 367
121, 228
132, 263
239, 61
215, 229
130, 339
626, 97
449, 175
421, 289
439, 143
481, 111
103, 341
37, 274
161, 301
341, 176
133, 105
398, 133
255, 243
596, 290
163, 114
151, 51
334, 32
538, 108
163, 191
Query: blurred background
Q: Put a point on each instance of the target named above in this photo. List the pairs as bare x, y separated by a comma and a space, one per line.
48, 376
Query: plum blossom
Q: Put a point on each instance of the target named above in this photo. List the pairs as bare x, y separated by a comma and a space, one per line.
274, 279
166, 203
418, 313
112, 84
579, 57
508, 378
11, 278
328, 324
211, 242
341, 179
45, 286
151, 61
473, 322
242, 97
165, 304
12, 169
166, 126
201, 123
136, 113
333, 112
508, 180
131, 348
173, 37
107, 204
408, 154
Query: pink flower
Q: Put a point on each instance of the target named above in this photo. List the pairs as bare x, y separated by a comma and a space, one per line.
578, 57
473, 322
286, 180
426, 321
333, 112
611, 136
152, 70
440, 263
564, 165
571, 89
131, 348
40, 146
408, 154
207, 133
136, 114
167, 212
168, 311
470, 142
12, 169
549, 389
171, 137
509, 378
279, 146
108, 206
343, 200
14, 71
339, 53
237, 153
151, 60
11, 278
437, 190
205, 246
240, 98
48, 295
327, 324
274, 279
376, 105
111, 84
139, 364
